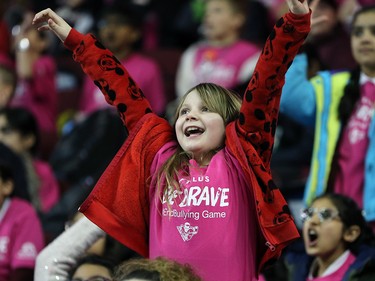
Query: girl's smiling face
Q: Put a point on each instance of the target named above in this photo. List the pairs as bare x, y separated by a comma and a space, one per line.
323, 233
199, 130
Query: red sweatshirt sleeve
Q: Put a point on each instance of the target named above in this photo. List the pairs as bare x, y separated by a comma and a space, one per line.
260, 106
107, 72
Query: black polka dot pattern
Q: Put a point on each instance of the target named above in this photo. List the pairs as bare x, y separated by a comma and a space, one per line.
262, 96
113, 80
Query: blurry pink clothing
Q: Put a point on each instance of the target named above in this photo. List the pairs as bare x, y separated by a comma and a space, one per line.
211, 222
336, 271
21, 236
228, 66
353, 148
143, 70
49, 192
261, 278
39, 94
365, 2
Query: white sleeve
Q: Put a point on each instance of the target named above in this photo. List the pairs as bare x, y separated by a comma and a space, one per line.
57, 258
185, 72
247, 68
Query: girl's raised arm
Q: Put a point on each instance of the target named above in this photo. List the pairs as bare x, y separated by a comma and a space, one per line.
260, 107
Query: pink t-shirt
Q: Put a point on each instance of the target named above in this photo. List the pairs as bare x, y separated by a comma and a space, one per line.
39, 94
21, 236
337, 270
147, 75
210, 223
49, 191
227, 66
352, 152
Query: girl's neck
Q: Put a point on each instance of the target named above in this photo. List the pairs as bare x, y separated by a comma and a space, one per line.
202, 160
369, 71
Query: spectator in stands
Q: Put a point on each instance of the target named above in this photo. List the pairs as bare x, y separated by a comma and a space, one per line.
21, 236
19, 132
341, 107
337, 240
36, 73
92, 268
221, 57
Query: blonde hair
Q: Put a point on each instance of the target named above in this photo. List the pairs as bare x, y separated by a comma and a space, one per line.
218, 99
160, 269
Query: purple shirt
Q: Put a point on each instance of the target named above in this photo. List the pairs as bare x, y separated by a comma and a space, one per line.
209, 223
352, 151
143, 70
21, 236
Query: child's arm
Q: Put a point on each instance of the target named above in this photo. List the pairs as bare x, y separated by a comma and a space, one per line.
259, 111
99, 63
56, 260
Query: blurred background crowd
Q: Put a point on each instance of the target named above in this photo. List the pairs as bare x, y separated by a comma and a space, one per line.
56, 130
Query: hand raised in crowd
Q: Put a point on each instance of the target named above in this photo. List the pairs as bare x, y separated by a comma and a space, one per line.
298, 7
49, 20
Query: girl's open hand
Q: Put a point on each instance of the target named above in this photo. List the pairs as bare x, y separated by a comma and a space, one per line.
49, 20
298, 7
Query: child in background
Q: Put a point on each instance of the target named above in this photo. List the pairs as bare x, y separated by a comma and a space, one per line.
337, 239
93, 268
36, 74
21, 236
20, 133
200, 192
339, 105
221, 57
120, 31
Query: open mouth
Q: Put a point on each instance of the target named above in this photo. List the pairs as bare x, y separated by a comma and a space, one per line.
313, 236
193, 131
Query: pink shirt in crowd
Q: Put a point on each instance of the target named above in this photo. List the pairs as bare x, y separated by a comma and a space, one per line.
228, 66
21, 236
210, 223
336, 271
39, 94
352, 151
143, 70
49, 192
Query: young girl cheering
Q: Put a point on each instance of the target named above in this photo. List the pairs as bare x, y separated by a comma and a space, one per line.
200, 192
338, 242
